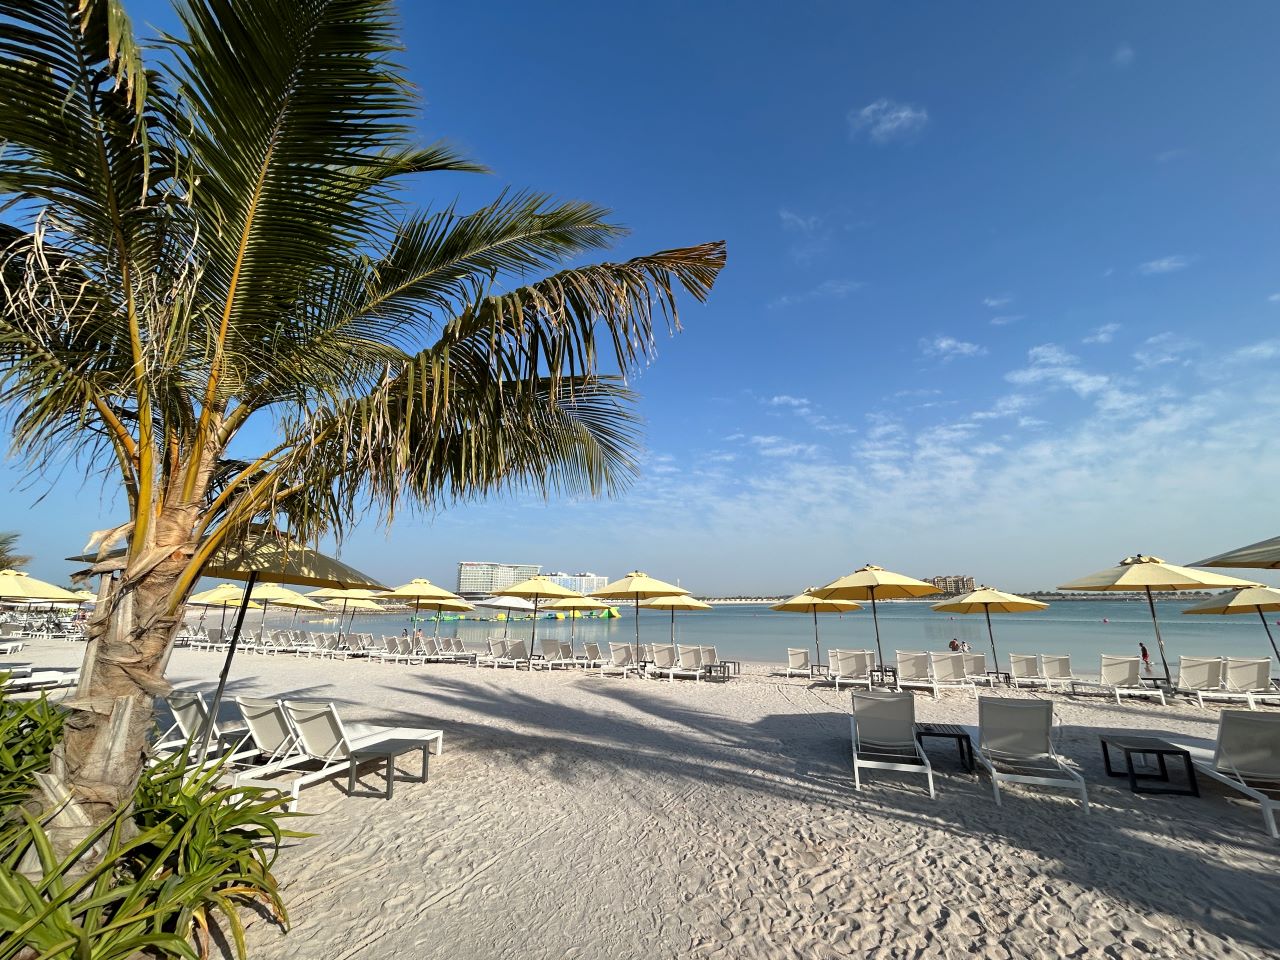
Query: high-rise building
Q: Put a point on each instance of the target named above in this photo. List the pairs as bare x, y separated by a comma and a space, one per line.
481, 578
953, 583
583, 583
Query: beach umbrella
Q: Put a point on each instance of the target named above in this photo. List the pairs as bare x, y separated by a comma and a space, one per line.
1141, 573
327, 594
86, 596
355, 605
508, 604
1261, 600
986, 600
875, 583
680, 601
266, 557
1263, 555
224, 595
637, 586
269, 593
19, 585
574, 605
537, 589
807, 603
424, 593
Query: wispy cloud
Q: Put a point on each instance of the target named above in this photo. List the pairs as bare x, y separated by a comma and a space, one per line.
805, 409
1170, 264
1006, 406
1103, 334
1274, 298
1007, 319
772, 446
828, 289
796, 223
1123, 55
949, 348
998, 301
1168, 156
1162, 350
886, 120
1262, 350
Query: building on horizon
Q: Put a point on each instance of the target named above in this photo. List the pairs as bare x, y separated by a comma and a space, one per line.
482, 578
953, 583
584, 583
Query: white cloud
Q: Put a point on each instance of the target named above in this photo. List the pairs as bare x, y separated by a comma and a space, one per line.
1169, 264
1007, 319
948, 348
804, 409
772, 446
1053, 367
887, 120
1006, 406
784, 400
1263, 350
828, 289
1123, 55
1274, 298
1168, 156
1162, 350
998, 301
1103, 334
796, 223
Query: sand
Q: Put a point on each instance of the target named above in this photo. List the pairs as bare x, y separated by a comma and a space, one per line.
574, 816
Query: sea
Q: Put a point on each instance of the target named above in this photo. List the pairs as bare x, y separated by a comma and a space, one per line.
1083, 629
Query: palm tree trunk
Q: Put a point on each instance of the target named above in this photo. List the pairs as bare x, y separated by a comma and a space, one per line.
95, 770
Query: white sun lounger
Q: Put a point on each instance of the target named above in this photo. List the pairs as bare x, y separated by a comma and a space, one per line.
1122, 676
1245, 757
667, 661
949, 673
1056, 670
690, 661
975, 668
594, 657
1201, 677
621, 661
882, 731
325, 740
1015, 744
1024, 671
913, 671
1251, 677
190, 714
798, 662
851, 667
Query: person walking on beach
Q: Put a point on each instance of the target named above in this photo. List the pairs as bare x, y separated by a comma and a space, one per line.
954, 645
964, 646
1146, 657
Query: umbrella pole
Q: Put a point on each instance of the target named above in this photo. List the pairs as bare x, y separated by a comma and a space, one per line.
223, 625
876, 618
1267, 628
673, 626
636, 601
342, 616
817, 651
986, 608
437, 631
226, 669
1151, 603
533, 638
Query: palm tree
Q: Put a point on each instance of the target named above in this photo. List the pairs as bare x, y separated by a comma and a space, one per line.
208, 248
8, 559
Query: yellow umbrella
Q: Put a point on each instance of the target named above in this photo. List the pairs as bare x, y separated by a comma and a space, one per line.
353, 604
19, 585
807, 603
1263, 555
365, 596
1144, 573
680, 601
86, 596
224, 595
425, 593
637, 586
1244, 600
987, 600
536, 589
875, 583
574, 604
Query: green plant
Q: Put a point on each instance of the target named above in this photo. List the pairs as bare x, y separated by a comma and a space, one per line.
29, 730
189, 849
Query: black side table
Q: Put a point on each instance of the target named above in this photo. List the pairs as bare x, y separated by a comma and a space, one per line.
949, 731
1131, 746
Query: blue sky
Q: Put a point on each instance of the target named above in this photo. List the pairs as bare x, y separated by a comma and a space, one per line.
1002, 293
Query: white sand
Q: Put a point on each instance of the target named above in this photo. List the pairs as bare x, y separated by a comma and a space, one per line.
574, 816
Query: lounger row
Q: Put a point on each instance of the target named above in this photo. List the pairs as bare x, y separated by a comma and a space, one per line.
665, 660
1014, 743
285, 745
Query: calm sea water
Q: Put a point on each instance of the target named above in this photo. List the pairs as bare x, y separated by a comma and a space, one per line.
1083, 628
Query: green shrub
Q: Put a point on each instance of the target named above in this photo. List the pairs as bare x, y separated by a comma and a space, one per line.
190, 849
29, 730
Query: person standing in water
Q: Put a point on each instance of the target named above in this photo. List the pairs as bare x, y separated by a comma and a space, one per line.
1146, 657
